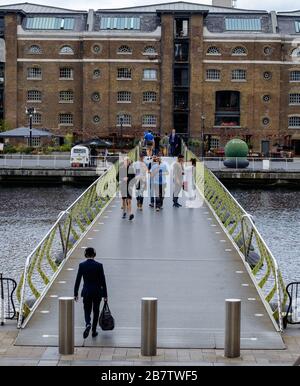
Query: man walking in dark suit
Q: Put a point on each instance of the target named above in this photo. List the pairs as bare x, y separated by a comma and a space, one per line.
94, 288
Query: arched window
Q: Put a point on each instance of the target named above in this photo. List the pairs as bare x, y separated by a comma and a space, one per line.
124, 119
150, 50
213, 50
239, 51
124, 50
34, 49
296, 52
66, 50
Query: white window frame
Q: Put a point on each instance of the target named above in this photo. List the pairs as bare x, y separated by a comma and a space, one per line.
239, 75
147, 96
36, 119
124, 96
127, 120
214, 143
295, 76
38, 73
35, 141
150, 51
149, 120
213, 75
235, 51
294, 119
66, 70
124, 50
68, 98
215, 51
69, 117
152, 72
66, 50
37, 96
34, 47
124, 73
294, 98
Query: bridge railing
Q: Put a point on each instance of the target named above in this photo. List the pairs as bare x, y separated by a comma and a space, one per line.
259, 260
45, 261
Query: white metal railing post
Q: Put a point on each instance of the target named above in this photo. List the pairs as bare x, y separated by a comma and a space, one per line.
22, 300
21, 160
54, 161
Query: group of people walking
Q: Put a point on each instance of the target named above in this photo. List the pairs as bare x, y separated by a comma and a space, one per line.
149, 174
165, 145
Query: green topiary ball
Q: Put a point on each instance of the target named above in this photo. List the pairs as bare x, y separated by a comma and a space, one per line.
236, 148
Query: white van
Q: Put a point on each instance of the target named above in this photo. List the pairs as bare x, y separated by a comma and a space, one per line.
80, 156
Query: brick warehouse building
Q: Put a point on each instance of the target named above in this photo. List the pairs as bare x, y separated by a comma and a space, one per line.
221, 70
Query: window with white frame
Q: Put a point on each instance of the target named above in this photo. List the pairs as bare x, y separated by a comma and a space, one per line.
213, 51
125, 119
66, 119
66, 50
294, 122
124, 96
34, 96
66, 73
124, 73
238, 74
294, 99
35, 49
124, 50
297, 26
35, 141
213, 74
214, 143
149, 96
36, 119
120, 23
34, 73
296, 52
149, 120
239, 51
66, 96
149, 74
295, 76
150, 50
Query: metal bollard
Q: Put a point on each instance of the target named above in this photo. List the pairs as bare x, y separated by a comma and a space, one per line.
232, 328
149, 326
66, 325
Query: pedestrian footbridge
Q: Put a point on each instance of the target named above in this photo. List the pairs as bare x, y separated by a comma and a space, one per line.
191, 259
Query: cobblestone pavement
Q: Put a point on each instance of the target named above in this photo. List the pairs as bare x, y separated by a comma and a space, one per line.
11, 355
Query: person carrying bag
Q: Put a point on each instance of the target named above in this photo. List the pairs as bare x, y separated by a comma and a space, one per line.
106, 320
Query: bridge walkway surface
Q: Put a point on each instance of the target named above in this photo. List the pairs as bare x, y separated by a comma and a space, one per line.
183, 257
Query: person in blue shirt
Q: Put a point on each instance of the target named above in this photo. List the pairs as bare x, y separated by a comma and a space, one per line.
149, 142
159, 171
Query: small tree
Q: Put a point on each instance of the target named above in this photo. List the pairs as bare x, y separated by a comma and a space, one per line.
4, 126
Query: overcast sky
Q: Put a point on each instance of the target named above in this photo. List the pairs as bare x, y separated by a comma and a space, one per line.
283, 5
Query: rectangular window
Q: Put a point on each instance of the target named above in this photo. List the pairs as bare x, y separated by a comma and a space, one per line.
66, 119
36, 119
35, 141
34, 73
149, 96
294, 122
149, 74
249, 24
297, 26
294, 99
213, 74
214, 143
149, 120
50, 23
34, 96
66, 97
124, 119
295, 76
120, 23
124, 96
66, 73
238, 75
124, 73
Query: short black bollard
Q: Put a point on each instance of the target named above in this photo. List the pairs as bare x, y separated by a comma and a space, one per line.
232, 328
66, 325
149, 326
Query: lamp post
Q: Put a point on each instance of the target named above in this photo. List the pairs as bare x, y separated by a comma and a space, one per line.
30, 111
202, 136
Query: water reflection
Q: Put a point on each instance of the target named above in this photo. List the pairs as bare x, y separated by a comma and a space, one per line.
26, 215
277, 216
